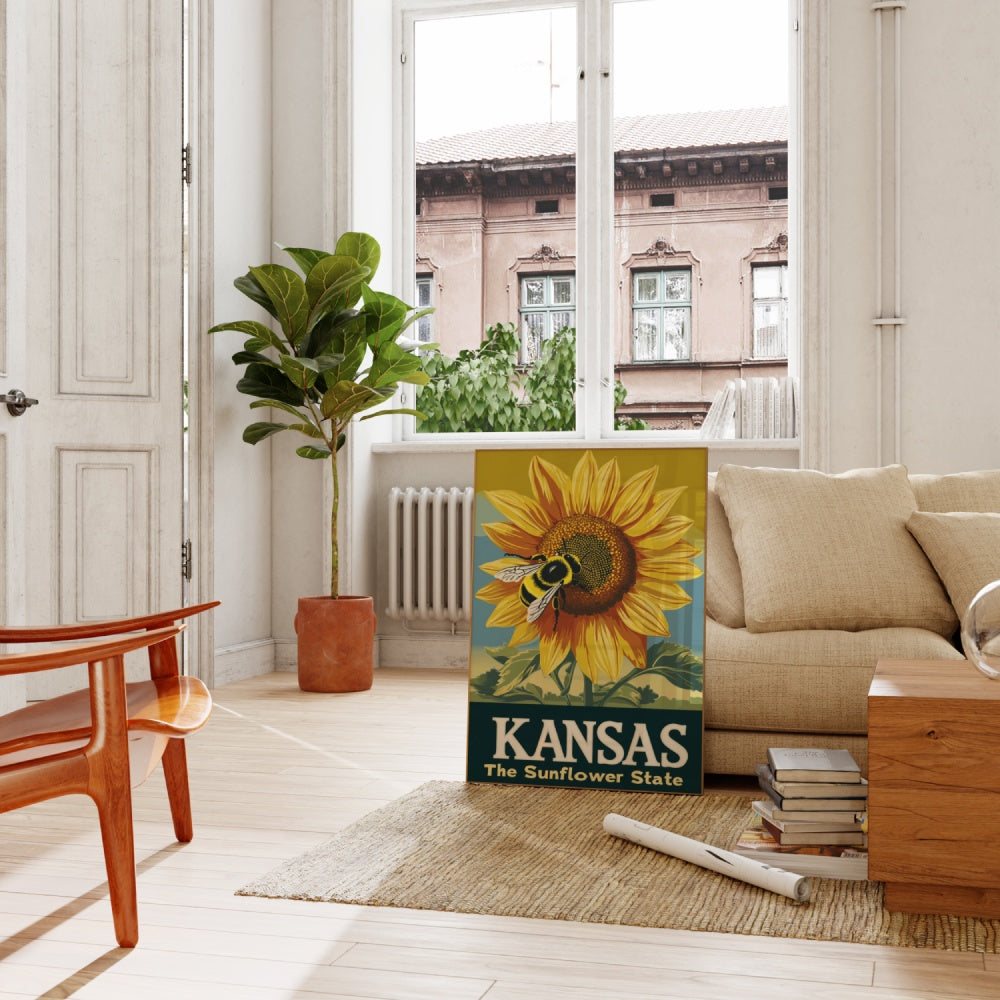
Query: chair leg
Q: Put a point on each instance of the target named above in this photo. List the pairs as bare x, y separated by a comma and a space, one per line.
110, 788
176, 775
115, 813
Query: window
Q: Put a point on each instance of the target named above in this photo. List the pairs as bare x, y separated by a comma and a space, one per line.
770, 311
548, 305
425, 298
661, 315
557, 159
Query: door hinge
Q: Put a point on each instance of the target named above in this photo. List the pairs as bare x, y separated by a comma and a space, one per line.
186, 164
187, 560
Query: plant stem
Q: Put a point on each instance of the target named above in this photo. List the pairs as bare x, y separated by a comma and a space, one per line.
588, 690
334, 510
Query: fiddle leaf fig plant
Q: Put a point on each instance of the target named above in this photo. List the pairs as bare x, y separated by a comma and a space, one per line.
332, 355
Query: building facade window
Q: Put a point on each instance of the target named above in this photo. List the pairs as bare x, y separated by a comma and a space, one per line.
770, 311
548, 304
425, 298
661, 315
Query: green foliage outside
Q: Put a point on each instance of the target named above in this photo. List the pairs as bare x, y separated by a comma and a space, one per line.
487, 389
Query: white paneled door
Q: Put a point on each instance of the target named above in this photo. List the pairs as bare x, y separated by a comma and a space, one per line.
94, 325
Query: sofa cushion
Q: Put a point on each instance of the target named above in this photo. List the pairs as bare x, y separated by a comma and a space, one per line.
976, 491
723, 583
964, 548
810, 681
820, 551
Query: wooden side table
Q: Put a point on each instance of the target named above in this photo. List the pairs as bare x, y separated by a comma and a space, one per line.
934, 787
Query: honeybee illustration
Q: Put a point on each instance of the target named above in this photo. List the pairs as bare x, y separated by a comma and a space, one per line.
541, 579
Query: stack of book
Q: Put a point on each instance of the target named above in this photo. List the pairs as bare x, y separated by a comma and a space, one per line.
813, 816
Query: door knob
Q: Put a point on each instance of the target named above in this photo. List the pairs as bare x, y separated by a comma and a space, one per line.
17, 402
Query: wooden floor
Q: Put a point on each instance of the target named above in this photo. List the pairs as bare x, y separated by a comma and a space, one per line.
274, 773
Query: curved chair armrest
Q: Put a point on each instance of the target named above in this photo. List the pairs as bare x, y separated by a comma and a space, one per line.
93, 630
91, 652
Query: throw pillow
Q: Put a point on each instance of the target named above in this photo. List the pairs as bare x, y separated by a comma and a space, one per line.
976, 491
723, 583
964, 548
830, 551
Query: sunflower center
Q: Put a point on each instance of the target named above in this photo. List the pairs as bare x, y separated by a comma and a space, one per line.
607, 562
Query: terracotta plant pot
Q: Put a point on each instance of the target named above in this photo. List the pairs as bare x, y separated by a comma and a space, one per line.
336, 643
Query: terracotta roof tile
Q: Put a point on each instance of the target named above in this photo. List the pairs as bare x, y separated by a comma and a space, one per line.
686, 130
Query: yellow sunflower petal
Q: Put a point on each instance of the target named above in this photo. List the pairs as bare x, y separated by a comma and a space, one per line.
512, 539
553, 649
509, 611
524, 634
606, 489
634, 498
659, 535
524, 512
640, 614
634, 648
496, 591
551, 487
669, 568
582, 489
598, 653
666, 594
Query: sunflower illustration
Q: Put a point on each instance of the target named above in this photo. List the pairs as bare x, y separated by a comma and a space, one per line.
591, 564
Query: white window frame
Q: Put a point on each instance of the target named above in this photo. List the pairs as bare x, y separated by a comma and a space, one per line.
595, 264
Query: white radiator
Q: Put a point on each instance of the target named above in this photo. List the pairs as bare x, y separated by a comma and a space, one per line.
430, 553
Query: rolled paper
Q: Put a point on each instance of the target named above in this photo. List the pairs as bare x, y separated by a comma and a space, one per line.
715, 859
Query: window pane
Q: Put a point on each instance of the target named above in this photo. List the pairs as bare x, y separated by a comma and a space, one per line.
675, 334
532, 333
769, 330
646, 287
677, 286
767, 282
423, 293
562, 291
495, 133
647, 335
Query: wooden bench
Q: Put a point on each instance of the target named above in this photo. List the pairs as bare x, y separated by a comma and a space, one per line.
103, 740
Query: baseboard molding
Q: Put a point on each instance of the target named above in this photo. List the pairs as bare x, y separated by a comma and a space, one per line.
415, 650
243, 660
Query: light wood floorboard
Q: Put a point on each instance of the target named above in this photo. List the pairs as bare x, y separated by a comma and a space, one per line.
275, 772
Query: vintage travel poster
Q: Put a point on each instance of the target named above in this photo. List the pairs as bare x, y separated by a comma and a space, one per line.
588, 620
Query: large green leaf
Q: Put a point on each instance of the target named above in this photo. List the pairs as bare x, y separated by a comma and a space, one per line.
256, 331
384, 317
302, 371
305, 258
392, 364
308, 451
250, 287
677, 664
250, 358
287, 292
346, 399
363, 248
341, 333
335, 283
259, 431
400, 409
278, 404
269, 382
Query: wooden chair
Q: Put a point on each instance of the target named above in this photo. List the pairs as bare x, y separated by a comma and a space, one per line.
106, 739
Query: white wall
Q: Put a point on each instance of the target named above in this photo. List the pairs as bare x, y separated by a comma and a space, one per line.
242, 229
948, 106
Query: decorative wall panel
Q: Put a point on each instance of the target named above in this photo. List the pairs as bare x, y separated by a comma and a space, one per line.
107, 198
107, 533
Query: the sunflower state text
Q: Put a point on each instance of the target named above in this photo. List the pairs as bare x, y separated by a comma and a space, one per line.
592, 743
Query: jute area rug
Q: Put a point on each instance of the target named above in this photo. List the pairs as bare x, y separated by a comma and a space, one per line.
542, 852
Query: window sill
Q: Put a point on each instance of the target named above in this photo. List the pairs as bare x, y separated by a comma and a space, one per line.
462, 444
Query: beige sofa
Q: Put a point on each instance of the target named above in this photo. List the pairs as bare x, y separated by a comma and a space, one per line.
811, 578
